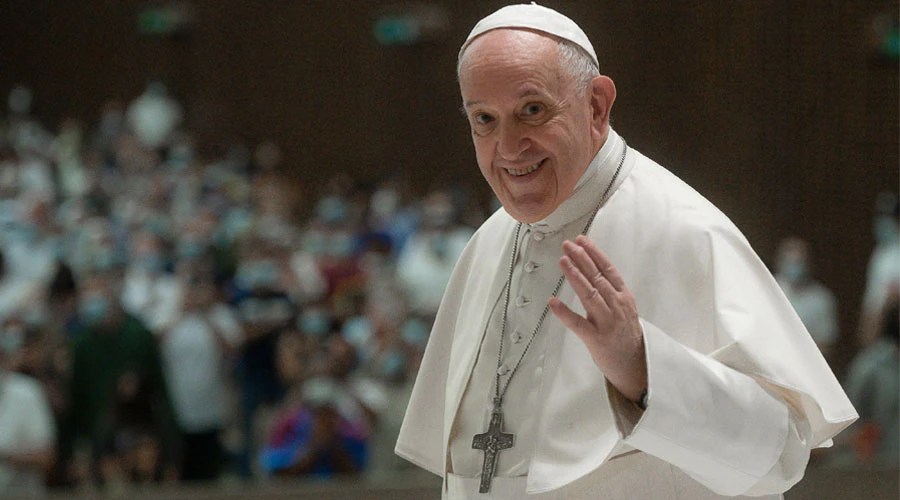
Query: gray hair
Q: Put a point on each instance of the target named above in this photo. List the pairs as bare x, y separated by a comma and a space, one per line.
574, 62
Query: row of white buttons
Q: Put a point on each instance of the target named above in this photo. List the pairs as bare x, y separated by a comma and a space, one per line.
504, 369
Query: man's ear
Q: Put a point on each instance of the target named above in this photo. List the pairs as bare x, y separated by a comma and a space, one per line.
602, 92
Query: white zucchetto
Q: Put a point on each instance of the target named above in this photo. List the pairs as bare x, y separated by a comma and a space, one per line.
536, 17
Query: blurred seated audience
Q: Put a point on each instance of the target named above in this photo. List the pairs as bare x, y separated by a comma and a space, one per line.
181, 324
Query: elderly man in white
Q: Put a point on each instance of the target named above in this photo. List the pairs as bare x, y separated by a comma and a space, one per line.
671, 367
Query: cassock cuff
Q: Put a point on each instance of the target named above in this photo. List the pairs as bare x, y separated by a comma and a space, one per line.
716, 424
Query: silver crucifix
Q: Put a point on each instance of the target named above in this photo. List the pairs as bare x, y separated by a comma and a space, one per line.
491, 442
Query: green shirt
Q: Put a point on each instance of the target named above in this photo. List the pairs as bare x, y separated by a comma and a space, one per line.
99, 361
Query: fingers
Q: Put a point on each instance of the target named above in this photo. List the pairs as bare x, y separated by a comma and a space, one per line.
586, 266
589, 293
575, 323
602, 262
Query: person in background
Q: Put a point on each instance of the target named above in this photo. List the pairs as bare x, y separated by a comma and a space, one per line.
118, 402
884, 266
149, 290
873, 385
815, 304
196, 353
154, 116
425, 265
27, 430
315, 439
265, 309
390, 217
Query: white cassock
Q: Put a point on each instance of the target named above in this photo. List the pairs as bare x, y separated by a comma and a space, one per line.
738, 391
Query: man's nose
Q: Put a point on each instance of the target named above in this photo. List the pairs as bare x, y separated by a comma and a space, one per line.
512, 141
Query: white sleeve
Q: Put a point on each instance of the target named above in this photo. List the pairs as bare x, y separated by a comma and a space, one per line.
39, 432
718, 425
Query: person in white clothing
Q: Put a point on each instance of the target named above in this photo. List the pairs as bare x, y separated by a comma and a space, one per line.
609, 333
196, 350
27, 430
814, 302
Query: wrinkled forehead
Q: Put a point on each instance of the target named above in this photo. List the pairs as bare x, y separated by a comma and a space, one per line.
512, 41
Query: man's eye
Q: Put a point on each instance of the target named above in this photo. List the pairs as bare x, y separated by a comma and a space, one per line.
532, 109
483, 119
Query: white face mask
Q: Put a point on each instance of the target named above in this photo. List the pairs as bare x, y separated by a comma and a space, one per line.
794, 270
885, 229
12, 339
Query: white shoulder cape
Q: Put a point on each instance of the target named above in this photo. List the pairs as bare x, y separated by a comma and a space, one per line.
695, 279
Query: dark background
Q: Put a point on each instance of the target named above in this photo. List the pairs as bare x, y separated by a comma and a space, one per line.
782, 113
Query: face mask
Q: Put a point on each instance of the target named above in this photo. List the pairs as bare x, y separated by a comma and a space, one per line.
105, 259
415, 333
393, 364
190, 249
13, 339
357, 332
151, 262
257, 274
439, 246
314, 322
314, 243
332, 210
94, 309
341, 245
794, 270
181, 156
885, 230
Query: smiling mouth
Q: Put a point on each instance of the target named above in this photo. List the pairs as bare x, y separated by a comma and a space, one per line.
524, 171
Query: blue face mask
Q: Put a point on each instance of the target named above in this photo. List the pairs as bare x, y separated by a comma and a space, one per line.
105, 259
94, 309
151, 262
794, 270
315, 322
190, 249
257, 274
314, 243
885, 229
341, 245
332, 210
393, 364
12, 340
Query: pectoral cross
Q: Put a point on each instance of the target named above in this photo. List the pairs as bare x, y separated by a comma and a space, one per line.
492, 442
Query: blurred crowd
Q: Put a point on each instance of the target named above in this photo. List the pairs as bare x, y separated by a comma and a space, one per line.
872, 381
166, 316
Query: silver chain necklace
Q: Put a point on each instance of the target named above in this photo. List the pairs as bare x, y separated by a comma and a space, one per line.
494, 439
